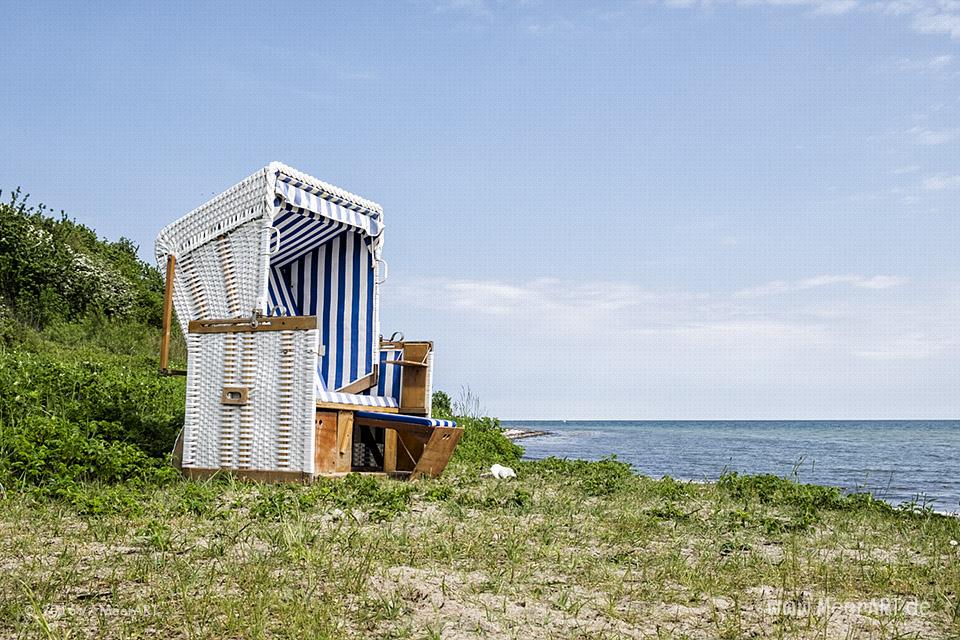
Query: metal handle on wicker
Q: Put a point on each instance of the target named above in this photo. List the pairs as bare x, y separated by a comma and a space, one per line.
386, 271
276, 232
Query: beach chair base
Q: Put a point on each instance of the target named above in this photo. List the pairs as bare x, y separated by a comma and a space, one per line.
351, 441
391, 443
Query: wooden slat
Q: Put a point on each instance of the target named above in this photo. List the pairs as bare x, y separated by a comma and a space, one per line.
413, 394
344, 441
418, 431
437, 452
364, 383
409, 450
244, 325
167, 314
337, 406
395, 344
390, 451
254, 475
325, 442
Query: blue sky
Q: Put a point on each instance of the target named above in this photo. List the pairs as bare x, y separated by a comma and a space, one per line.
597, 210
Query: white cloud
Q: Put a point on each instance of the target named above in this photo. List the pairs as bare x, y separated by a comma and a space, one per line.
930, 137
948, 23
929, 16
941, 182
554, 347
934, 63
476, 8
763, 335
576, 302
551, 27
836, 7
783, 286
909, 347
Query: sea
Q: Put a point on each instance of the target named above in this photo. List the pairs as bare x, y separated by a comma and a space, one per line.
900, 461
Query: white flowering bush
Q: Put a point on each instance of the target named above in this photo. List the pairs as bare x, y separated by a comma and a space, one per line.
54, 269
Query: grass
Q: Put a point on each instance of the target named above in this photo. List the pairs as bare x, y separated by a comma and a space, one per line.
99, 537
569, 549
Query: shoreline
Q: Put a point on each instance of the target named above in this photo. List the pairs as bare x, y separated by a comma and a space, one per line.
520, 434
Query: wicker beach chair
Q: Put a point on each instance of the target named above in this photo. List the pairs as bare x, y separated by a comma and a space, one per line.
276, 285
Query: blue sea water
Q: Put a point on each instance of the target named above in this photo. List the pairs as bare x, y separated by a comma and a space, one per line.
896, 460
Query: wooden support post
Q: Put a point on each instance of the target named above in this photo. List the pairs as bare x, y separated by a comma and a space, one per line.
167, 315
344, 441
325, 443
389, 451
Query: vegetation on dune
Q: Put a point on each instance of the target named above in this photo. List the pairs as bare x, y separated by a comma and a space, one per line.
80, 398
100, 537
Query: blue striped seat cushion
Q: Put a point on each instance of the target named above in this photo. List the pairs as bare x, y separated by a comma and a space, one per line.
385, 394
356, 399
404, 419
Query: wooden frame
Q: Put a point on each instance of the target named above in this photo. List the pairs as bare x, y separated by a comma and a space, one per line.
415, 363
255, 323
419, 449
364, 383
254, 475
165, 369
333, 442
167, 314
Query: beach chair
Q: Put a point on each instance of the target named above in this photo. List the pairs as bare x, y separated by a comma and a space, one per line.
276, 285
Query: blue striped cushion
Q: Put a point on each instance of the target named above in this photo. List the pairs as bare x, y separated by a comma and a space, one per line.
399, 417
355, 399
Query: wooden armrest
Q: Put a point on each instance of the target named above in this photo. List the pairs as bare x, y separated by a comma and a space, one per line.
406, 363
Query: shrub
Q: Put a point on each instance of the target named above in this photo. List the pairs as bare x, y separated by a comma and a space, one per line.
55, 269
127, 400
483, 443
56, 453
441, 406
806, 499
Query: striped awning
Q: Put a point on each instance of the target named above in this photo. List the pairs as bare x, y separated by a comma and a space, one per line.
307, 200
308, 218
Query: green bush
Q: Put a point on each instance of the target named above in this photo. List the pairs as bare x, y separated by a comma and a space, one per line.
56, 269
52, 451
441, 406
484, 444
125, 397
805, 499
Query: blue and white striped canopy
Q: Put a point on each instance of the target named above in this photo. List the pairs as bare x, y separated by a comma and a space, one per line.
323, 262
334, 282
302, 198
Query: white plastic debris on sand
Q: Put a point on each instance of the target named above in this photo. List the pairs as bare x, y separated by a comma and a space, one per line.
501, 472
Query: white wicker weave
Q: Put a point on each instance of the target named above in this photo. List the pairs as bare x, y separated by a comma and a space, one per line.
222, 252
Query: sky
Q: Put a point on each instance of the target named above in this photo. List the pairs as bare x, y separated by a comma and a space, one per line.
688, 209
